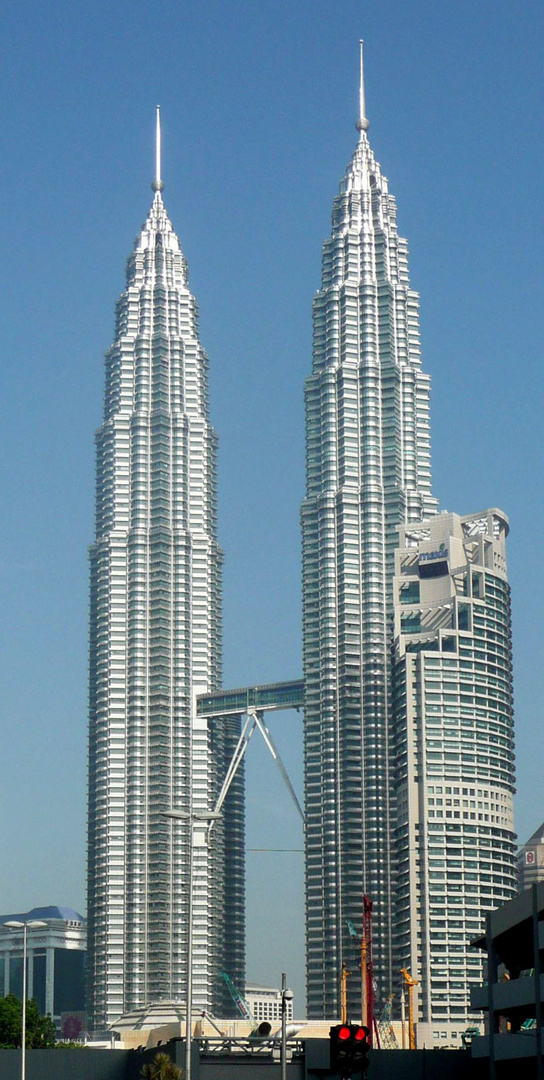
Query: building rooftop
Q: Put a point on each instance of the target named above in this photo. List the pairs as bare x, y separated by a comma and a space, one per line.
537, 835
67, 914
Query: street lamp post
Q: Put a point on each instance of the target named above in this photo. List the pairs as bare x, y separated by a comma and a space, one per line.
32, 924
192, 819
286, 995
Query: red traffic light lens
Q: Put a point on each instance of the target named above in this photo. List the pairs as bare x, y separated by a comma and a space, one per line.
344, 1033
360, 1034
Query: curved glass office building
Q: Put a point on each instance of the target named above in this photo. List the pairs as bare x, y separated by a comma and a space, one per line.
454, 850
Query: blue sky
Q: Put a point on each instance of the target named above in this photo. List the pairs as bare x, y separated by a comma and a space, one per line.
259, 101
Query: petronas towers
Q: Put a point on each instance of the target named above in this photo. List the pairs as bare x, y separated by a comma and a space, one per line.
367, 472
156, 633
155, 637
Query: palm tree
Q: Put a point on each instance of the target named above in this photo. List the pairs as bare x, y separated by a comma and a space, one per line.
162, 1068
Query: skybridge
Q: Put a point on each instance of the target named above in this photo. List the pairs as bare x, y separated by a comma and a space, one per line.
266, 698
252, 702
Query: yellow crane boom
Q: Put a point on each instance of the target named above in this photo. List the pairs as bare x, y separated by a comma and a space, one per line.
410, 983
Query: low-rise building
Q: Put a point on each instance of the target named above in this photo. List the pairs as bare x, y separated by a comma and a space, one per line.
265, 1003
55, 963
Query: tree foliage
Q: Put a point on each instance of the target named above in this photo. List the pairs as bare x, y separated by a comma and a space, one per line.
162, 1068
40, 1030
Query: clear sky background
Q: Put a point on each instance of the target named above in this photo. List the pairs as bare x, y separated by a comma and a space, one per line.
259, 101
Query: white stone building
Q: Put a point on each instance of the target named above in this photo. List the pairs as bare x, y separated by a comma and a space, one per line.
265, 1003
531, 860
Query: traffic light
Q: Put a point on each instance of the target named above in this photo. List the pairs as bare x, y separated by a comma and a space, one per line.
349, 1046
340, 1040
360, 1046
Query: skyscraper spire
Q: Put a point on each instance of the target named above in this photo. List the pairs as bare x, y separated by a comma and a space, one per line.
362, 123
157, 184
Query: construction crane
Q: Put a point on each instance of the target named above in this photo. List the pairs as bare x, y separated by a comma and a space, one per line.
257, 1030
388, 1039
344, 976
238, 998
410, 983
368, 1017
367, 971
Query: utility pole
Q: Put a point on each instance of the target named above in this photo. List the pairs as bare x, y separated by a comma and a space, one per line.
286, 995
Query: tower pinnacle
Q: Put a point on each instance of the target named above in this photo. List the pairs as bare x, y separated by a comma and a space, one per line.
157, 184
362, 123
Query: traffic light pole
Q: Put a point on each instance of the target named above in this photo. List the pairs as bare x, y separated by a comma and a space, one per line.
283, 1027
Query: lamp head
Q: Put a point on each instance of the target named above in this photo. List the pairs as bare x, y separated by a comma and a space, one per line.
31, 924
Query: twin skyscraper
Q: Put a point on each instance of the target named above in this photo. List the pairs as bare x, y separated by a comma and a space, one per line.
408, 736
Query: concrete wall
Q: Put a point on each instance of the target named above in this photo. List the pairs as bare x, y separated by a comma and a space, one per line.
127, 1064
66, 1064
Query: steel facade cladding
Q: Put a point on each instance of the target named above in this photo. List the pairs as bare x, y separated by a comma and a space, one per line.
367, 471
156, 643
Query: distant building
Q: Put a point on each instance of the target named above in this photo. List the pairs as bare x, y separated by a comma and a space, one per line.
55, 963
453, 776
265, 1003
531, 860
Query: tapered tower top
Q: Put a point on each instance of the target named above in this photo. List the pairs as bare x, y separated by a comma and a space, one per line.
157, 184
362, 123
